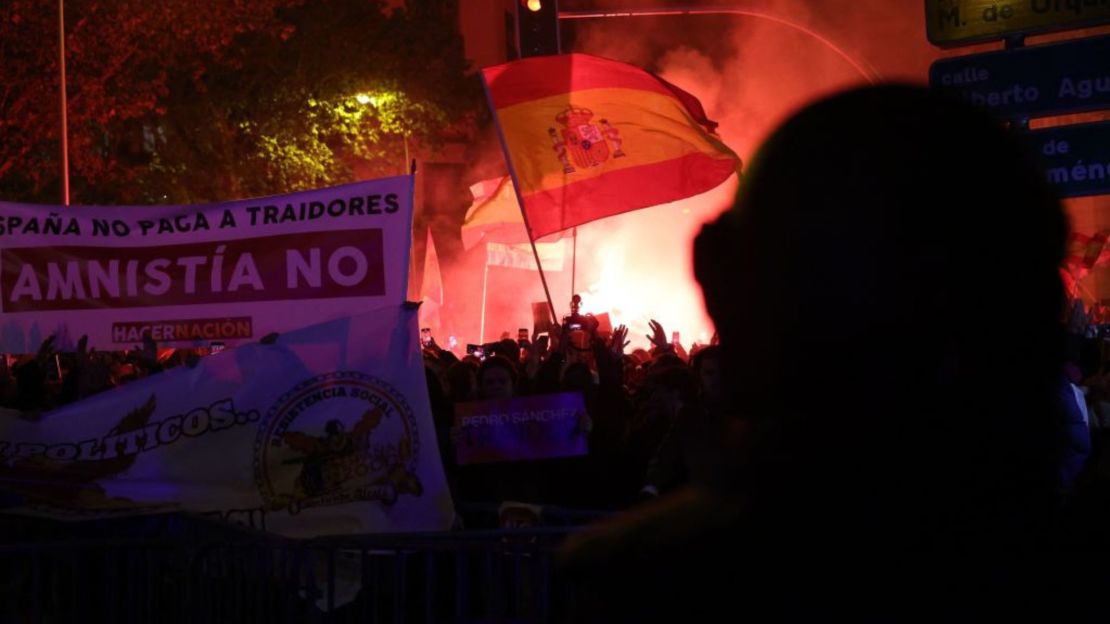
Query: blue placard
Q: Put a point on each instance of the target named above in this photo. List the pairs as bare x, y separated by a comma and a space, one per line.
1075, 158
1029, 82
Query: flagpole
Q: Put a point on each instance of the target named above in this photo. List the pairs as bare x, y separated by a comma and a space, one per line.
411, 251
62, 97
519, 198
573, 261
482, 323
405, 139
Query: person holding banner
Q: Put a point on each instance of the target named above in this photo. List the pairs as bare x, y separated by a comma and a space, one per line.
691, 452
497, 378
499, 481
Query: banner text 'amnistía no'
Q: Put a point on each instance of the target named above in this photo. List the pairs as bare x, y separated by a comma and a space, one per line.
188, 275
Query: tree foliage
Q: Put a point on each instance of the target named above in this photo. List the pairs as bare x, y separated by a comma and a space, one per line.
179, 101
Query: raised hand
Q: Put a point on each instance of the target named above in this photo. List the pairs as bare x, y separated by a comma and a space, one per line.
584, 424
1079, 318
148, 353
659, 337
556, 340
432, 348
619, 340
46, 351
83, 350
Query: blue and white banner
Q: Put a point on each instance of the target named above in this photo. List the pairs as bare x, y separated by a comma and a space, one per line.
326, 431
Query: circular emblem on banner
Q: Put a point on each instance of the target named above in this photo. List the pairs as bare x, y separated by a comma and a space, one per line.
337, 438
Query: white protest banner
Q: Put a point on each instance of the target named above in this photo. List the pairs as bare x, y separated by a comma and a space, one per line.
326, 431
190, 275
521, 257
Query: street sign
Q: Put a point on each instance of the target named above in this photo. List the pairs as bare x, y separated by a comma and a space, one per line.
957, 22
1075, 158
1052, 79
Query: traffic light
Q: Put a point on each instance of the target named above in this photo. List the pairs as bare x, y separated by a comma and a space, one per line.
537, 27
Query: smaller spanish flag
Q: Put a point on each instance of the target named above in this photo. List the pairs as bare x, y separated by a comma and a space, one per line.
1085, 251
588, 138
494, 216
431, 287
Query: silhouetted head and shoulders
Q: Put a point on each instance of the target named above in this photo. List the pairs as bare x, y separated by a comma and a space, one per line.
887, 295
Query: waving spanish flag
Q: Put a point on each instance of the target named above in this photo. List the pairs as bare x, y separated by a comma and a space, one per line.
588, 138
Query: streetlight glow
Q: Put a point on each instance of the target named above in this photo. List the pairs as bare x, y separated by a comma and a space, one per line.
362, 98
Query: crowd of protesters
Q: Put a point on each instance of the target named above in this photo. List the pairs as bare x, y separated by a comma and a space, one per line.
652, 416
651, 426
657, 418
31, 385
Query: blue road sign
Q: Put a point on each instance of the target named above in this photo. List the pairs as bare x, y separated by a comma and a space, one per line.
1029, 82
1075, 158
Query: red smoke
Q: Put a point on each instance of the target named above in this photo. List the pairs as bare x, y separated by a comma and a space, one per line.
750, 74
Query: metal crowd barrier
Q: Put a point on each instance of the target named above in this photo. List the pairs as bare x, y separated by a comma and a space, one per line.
186, 569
